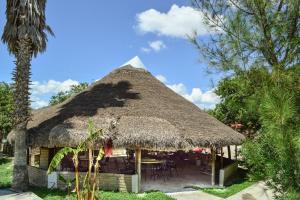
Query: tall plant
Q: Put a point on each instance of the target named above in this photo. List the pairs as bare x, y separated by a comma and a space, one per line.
265, 35
279, 138
25, 35
90, 180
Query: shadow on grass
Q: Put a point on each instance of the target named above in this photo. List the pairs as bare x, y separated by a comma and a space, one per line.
4, 161
45, 193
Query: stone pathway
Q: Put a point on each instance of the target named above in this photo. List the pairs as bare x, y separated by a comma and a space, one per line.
6, 194
193, 195
258, 191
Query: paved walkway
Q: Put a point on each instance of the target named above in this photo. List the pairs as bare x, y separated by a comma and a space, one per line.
258, 191
194, 195
6, 194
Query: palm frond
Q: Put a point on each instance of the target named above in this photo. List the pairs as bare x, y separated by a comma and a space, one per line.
26, 18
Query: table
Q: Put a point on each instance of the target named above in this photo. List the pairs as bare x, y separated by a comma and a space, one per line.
151, 162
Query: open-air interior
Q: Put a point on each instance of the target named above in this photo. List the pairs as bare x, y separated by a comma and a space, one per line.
160, 170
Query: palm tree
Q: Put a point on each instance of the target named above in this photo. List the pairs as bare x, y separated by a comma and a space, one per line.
25, 35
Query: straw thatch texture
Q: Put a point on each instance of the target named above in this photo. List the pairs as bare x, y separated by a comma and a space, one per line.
134, 109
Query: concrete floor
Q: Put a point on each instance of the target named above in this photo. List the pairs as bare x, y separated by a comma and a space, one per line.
6, 194
188, 175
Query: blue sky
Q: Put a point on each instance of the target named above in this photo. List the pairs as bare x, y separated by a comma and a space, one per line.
94, 37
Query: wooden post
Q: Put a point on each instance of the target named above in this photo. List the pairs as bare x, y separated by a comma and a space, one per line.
138, 160
222, 157
44, 158
235, 152
229, 152
213, 165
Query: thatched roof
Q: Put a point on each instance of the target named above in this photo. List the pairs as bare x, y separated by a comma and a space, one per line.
134, 109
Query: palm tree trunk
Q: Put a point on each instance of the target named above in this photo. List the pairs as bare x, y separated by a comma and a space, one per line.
21, 78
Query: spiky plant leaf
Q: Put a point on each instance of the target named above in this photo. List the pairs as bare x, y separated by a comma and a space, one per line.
58, 157
26, 18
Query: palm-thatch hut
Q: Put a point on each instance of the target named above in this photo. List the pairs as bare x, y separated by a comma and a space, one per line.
136, 111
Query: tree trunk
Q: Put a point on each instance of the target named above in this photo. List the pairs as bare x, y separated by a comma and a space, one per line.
77, 183
21, 78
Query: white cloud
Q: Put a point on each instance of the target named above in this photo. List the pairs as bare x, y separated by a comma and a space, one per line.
177, 22
179, 88
145, 49
51, 86
38, 102
206, 100
42, 90
156, 46
161, 78
202, 99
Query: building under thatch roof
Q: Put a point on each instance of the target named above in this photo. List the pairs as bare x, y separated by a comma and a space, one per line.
134, 109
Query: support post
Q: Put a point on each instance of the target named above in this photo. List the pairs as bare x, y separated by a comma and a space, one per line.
235, 152
222, 153
213, 166
138, 160
44, 158
229, 152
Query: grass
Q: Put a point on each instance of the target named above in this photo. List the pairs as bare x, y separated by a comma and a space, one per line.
230, 190
5, 172
59, 195
6, 180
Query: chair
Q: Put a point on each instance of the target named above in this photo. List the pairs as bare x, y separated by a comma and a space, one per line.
128, 167
171, 166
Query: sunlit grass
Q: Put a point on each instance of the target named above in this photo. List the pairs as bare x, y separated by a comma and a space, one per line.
5, 172
230, 190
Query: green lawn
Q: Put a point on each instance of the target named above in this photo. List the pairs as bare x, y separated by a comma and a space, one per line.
230, 190
6, 178
5, 172
59, 195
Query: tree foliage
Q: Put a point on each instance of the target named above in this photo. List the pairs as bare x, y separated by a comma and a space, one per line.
6, 109
278, 138
89, 144
26, 19
250, 33
240, 99
257, 44
62, 96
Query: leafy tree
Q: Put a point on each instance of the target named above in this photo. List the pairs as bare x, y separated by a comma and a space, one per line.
62, 96
240, 99
25, 35
250, 33
6, 109
279, 138
260, 35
